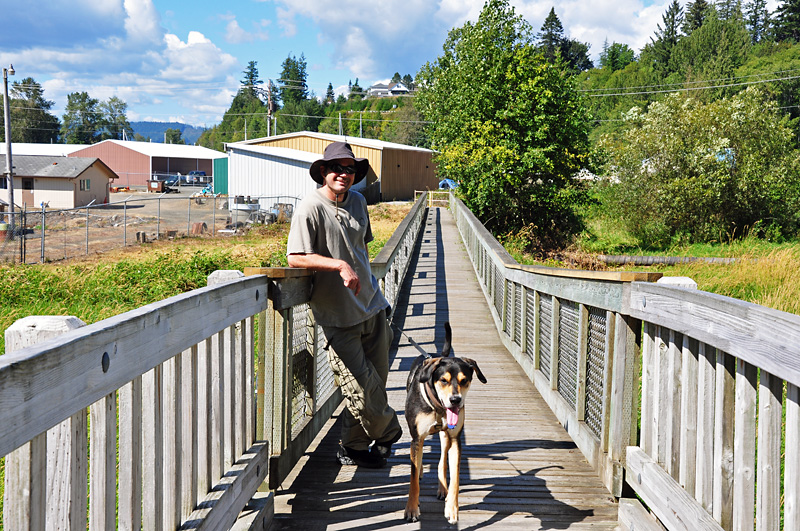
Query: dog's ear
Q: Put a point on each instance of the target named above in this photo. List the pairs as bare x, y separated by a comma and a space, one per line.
472, 363
428, 366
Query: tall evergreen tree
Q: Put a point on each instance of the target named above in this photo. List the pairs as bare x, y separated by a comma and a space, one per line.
729, 9
551, 35
251, 82
330, 96
408, 81
293, 87
696, 13
30, 114
758, 21
667, 37
396, 78
787, 21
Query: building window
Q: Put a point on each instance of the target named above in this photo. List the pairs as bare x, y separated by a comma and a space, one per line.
27, 184
3, 183
84, 184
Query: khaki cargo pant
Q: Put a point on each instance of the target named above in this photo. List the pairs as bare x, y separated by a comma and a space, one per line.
359, 357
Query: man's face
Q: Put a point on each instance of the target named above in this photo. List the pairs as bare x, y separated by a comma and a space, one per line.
338, 175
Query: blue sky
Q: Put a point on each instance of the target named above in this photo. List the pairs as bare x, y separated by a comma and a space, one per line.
177, 60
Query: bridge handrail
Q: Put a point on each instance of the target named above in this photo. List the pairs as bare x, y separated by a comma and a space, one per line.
204, 395
716, 374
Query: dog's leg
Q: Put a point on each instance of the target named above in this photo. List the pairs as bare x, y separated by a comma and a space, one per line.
412, 506
451, 503
445, 443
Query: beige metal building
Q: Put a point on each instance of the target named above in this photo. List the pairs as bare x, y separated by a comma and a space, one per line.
58, 182
400, 169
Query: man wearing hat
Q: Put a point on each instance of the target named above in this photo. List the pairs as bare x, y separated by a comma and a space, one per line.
329, 235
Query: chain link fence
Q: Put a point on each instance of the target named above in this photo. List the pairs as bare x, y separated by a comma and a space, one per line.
46, 235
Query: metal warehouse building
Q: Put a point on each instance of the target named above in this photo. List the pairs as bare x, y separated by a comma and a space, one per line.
278, 165
136, 162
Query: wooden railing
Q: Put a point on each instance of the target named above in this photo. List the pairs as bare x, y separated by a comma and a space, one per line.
667, 390
192, 403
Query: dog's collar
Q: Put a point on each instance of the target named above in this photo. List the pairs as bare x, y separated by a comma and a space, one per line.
424, 390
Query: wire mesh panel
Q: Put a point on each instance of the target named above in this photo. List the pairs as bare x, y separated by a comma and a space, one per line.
545, 334
530, 326
326, 383
509, 323
302, 370
518, 295
595, 361
568, 351
498, 289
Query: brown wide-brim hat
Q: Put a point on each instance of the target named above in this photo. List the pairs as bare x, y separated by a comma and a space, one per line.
339, 150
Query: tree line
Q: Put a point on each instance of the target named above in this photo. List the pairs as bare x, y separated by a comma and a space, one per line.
86, 120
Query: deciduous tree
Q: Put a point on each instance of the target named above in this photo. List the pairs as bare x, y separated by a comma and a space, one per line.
508, 125
83, 119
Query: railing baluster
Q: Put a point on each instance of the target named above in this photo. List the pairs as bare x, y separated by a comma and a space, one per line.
744, 447
130, 455
723, 440
768, 496
689, 415
791, 478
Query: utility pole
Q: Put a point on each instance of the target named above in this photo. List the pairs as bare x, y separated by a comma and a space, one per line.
360, 125
269, 104
9, 166
340, 124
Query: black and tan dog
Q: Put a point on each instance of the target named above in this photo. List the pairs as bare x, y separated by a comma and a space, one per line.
436, 392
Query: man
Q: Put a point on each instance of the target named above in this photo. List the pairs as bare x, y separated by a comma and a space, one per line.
329, 235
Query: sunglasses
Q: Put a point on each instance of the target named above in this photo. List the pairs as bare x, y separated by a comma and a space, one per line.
338, 168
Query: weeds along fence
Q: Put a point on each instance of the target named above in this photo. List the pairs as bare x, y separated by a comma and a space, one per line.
44, 235
197, 405
687, 398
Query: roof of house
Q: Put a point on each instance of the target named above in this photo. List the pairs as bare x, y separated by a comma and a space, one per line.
398, 87
278, 152
56, 167
157, 149
53, 150
353, 140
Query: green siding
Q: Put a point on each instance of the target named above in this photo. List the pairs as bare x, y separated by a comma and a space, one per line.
221, 176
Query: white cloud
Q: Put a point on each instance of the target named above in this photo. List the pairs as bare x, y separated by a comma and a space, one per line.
235, 34
197, 59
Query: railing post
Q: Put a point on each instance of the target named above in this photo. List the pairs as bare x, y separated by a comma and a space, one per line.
54, 462
624, 403
44, 225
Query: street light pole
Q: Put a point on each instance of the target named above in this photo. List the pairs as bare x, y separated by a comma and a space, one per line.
7, 130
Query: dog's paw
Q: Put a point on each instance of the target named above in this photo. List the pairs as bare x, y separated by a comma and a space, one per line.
451, 512
441, 494
412, 513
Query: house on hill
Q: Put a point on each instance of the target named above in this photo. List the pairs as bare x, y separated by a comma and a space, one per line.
258, 168
57, 182
137, 162
378, 90
398, 89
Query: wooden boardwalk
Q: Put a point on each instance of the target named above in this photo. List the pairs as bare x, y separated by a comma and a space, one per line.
519, 470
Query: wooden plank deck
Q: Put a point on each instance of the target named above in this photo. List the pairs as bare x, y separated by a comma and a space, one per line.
519, 470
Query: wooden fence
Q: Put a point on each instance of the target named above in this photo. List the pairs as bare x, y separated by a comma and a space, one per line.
192, 403
687, 398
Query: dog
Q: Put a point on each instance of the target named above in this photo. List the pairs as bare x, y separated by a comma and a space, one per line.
435, 396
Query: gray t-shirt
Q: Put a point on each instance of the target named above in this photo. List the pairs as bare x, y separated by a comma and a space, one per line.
317, 227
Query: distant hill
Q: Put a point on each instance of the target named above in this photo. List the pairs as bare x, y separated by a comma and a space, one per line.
155, 130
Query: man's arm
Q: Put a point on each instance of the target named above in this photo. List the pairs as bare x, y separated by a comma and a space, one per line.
317, 262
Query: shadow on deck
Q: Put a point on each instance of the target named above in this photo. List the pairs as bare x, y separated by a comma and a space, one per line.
519, 467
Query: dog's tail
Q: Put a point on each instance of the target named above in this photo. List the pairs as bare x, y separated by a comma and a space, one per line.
448, 337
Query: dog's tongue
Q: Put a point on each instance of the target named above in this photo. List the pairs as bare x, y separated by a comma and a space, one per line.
452, 417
